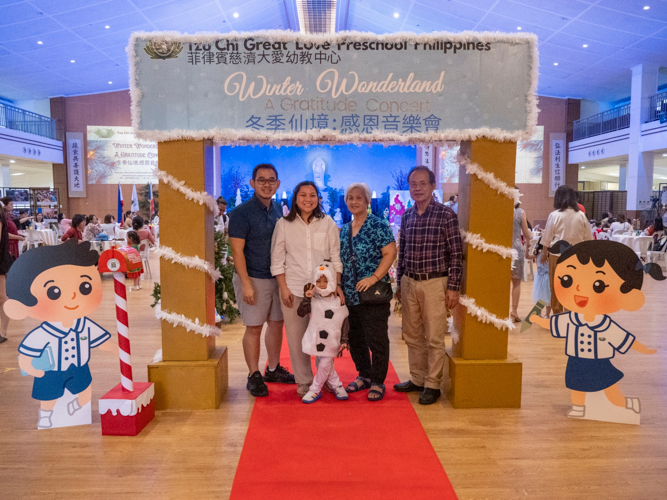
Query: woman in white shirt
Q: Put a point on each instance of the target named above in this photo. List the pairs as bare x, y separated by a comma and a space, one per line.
620, 226
567, 223
301, 241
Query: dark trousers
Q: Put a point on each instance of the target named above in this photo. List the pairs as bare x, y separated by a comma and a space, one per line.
369, 335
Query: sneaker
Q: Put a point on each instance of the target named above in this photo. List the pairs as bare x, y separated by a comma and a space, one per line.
341, 394
311, 397
302, 390
279, 375
256, 385
577, 411
45, 419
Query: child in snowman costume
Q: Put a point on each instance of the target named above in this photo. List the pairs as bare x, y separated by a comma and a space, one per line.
327, 333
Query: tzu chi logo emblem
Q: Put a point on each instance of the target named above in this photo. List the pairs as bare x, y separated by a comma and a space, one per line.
163, 49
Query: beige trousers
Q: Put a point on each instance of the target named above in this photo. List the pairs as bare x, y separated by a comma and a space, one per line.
424, 328
295, 328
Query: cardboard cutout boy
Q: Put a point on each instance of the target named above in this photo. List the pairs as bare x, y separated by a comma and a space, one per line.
59, 285
592, 280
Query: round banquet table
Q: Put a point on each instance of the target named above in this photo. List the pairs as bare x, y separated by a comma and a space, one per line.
634, 242
102, 246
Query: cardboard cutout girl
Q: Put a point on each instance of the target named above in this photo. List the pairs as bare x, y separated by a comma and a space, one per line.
594, 279
59, 285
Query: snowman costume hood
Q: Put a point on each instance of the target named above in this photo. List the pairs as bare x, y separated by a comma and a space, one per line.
327, 315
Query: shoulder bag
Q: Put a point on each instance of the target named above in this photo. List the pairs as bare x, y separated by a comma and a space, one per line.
380, 292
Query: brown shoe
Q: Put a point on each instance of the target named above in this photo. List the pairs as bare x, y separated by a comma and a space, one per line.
302, 390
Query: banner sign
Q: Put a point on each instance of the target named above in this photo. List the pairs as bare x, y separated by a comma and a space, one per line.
282, 87
115, 156
425, 156
557, 164
76, 181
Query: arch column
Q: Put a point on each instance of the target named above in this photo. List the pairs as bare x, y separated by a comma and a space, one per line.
193, 373
483, 374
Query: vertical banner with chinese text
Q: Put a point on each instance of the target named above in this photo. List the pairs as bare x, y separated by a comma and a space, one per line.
557, 163
76, 177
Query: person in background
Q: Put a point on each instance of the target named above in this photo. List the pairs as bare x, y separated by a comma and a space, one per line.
663, 197
620, 226
134, 241
656, 227
222, 220
92, 228
24, 221
143, 232
455, 203
566, 223
77, 228
519, 228
597, 229
5, 263
581, 207
429, 275
109, 226
14, 236
156, 219
63, 224
541, 290
285, 208
127, 224
251, 226
39, 221
306, 237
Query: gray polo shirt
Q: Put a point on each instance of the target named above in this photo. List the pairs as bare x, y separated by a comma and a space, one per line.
253, 222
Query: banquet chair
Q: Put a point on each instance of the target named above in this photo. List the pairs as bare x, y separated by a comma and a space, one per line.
32, 237
603, 235
654, 256
144, 249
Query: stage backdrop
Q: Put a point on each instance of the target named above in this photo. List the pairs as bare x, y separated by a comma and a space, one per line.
115, 155
332, 168
351, 87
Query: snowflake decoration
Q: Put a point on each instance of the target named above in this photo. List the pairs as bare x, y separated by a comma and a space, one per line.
450, 61
510, 104
161, 96
230, 112
499, 64
156, 66
354, 55
515, 123
376, 71
191, 88
416, 60
179, 107
467, 119
202, 74
464, 96
485, 116
177, 70
489, 85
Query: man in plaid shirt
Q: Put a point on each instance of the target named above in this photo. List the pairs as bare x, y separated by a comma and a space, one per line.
429, 277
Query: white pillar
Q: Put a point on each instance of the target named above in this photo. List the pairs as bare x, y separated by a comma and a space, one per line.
217, 189
640, 166
6, 178
622, 176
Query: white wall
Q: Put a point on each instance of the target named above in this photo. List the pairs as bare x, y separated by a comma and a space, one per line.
590, 108
39, 106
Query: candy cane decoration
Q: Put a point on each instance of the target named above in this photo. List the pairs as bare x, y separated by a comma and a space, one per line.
123, 332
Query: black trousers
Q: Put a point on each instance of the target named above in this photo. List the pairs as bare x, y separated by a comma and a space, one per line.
369, 336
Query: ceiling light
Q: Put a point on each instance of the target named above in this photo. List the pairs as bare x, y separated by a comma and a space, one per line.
664, 154
40, 42
110, 83
19, 173
583, 166
236, 14
72, 61
555, 64
396, 15
519, 28
12, 161
647, 7
107, 27
585, 45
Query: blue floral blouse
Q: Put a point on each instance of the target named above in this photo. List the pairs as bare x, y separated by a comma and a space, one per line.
374, 235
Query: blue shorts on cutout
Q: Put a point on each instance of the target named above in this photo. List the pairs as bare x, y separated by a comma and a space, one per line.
53, 384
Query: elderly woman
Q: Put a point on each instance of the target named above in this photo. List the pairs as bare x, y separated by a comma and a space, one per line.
367, 250
567, 223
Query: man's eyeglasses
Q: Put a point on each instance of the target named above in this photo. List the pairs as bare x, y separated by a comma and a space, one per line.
421, 185
263, 182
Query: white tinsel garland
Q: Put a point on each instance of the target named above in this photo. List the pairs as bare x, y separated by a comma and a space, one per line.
480, 243
201, 197
491, 180
175, 319
484, 315
187, 261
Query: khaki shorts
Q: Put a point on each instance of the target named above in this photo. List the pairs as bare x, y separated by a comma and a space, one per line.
267, 301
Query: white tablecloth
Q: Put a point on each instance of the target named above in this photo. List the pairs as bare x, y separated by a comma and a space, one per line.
121, 234
48, 236
637, 243
101, 246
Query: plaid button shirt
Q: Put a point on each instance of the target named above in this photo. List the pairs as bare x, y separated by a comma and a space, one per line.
431, 243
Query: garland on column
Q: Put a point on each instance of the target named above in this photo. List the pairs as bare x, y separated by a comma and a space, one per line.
192, 262
479, 243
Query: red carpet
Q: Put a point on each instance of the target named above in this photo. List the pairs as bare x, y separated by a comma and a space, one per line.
337, 449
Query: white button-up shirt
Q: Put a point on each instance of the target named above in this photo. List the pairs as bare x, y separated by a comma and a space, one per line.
297, 247
599, 339
69, 346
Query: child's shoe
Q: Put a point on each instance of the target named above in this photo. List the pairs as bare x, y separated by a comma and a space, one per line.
577, 411
633, 404
341, 393
45, 419
73, 406
311, 397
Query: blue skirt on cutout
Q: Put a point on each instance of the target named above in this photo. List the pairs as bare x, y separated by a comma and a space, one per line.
590, 375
